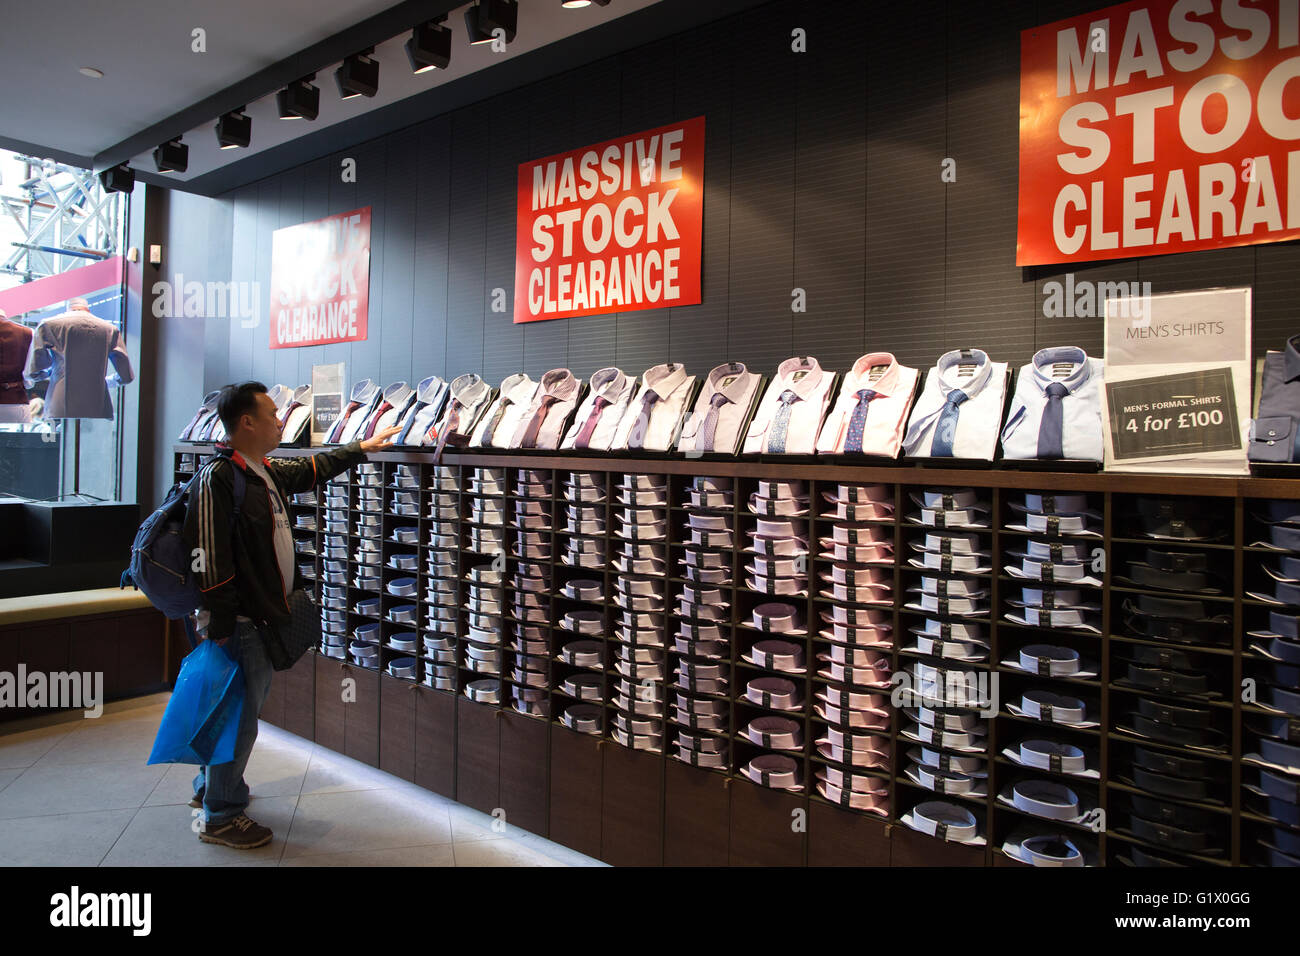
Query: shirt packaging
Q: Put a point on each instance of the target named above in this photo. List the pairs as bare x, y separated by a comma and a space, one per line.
739, 390
1081, 431
498, 424
674, 389
979, 417
810, 386
616, 390
1273, 433
886, 420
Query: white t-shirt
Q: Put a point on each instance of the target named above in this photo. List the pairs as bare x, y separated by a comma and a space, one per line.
280, 515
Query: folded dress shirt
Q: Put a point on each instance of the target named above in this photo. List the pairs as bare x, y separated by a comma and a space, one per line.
654, 415
791, 412
468, 400
542, 423
430, 397
959, 411
1056, 409
497, 426
870, 415
1275, 436
598, 417
721, 410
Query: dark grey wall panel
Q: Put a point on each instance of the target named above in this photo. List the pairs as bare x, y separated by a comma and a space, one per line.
432, 242
822, 171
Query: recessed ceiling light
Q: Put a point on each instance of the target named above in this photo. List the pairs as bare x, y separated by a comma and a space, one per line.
91, 72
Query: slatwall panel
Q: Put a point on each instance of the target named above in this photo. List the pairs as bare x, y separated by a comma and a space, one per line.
891, 257
214, 246
432, 242
590, 339
830, 191
398, 263
466, 276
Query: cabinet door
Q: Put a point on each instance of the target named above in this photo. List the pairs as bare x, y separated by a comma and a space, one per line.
632, 798
575, 790
697, 816
838, 837
523, 771
141, 651
435, 741
361, 718
397, 727
478, 755
909, 848
300, 697
273, 706
94, 646
329, 703
765, 828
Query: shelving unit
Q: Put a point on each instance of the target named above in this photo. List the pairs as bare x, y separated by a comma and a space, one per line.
650, 806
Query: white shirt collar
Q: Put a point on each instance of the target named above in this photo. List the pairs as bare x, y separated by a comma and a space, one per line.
1045, 358
807, 384
664, 379
949, 361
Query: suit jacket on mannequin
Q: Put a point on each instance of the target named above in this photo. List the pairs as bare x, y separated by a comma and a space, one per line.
73, 351
15, 342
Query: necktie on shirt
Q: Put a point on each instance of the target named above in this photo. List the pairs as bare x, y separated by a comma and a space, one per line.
189, 429
589, 426
946, 428
453, 422
535, 426
858, 420
709, 427
491, 429
781, 423
636, 438
284, 419
374, 420
1050, 428
337, 431
410, 421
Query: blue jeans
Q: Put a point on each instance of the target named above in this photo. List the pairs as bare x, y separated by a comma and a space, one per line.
221, 786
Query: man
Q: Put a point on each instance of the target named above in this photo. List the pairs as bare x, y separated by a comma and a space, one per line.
246, 575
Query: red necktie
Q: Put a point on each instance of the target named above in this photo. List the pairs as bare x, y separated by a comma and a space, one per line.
589, 426
374, 420
337, 431
534, 426
453, 420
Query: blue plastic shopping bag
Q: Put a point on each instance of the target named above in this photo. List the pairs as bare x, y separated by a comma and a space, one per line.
202, 717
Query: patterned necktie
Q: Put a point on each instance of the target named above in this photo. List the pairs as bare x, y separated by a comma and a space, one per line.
337, 431
636, 439
486, 440
374, 420
453, 422
946, 429
284, 419
709, 427
858, 421
589, 426
411, 416
1050, 428
188, 433
781, 423
535, 426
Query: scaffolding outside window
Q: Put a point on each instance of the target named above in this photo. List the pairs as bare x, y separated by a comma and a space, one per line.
61, 238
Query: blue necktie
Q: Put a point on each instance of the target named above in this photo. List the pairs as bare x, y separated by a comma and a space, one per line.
1049, 429
946, 430
781, 423
858, 421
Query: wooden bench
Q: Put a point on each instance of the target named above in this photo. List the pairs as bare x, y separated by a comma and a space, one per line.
103, 630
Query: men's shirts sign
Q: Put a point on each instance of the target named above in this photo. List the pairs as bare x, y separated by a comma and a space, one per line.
1178, 382
613, 227
320, 281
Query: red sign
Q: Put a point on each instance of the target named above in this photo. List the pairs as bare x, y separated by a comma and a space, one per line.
1159, 126
320, 281
612, 227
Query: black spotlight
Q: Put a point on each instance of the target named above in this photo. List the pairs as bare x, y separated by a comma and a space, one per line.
488, 15
118, 179
299, 100
172, 157
430, 46
358, 76
235, 130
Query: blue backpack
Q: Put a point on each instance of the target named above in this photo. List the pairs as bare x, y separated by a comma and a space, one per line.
160, 560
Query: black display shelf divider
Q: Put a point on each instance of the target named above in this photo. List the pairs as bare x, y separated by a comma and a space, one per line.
819, 474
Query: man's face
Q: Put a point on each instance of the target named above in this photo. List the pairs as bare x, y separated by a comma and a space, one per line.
259, 431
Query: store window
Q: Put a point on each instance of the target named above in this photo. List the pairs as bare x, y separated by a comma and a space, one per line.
61, 267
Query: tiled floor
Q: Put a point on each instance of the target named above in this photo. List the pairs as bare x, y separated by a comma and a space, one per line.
78, 793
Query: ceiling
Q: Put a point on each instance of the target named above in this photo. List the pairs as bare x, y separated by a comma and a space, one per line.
156, 87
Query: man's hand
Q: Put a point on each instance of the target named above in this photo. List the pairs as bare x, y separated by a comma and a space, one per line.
380, 441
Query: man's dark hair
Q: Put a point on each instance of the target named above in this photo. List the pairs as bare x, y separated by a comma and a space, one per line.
236, 401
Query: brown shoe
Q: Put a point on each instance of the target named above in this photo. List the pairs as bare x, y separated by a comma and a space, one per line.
240, 833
